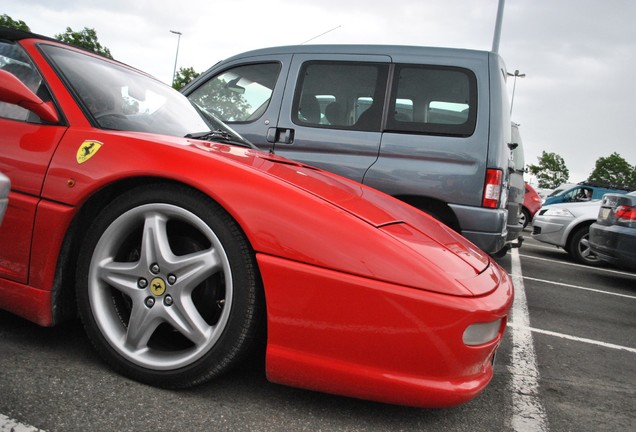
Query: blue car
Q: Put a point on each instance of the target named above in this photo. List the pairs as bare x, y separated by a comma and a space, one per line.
582, 192
613, 235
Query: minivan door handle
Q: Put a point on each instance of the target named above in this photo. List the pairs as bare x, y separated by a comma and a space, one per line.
280, 135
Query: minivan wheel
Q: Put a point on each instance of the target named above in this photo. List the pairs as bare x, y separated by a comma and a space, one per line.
167, 287
579, 247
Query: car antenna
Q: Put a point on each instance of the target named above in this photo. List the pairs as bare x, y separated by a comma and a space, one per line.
321, 34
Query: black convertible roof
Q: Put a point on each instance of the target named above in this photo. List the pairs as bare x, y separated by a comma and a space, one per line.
12, 34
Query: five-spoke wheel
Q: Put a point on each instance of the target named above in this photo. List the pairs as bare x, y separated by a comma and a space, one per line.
168, 288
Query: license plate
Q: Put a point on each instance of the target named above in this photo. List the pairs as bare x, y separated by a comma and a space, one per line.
604, 214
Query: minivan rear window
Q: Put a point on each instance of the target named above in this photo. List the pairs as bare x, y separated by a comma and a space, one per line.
433, 100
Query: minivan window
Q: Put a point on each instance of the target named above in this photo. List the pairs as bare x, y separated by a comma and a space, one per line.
433, 100
340, 95
240, 94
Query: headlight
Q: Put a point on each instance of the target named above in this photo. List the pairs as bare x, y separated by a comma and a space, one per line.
558, 212
481, 333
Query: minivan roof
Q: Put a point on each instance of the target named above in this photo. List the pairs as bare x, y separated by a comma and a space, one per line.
361, 49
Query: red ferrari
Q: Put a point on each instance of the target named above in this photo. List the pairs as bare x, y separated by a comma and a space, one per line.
4, 194
181, 247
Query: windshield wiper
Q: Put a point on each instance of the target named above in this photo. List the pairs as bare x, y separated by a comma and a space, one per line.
218, 135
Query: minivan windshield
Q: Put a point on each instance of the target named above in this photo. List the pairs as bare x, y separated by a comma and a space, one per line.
116, 97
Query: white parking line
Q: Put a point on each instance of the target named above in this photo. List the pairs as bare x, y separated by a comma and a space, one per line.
578, 339
598, 269
10, 425
528, 414
580, 287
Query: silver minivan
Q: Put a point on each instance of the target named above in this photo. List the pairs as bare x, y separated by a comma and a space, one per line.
430, 126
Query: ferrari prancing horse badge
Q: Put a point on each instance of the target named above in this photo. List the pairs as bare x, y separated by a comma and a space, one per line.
87, 150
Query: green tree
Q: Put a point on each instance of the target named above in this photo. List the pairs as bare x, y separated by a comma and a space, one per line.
217, 97
183, 77
551, 170
7, 21
86, 39
613, 170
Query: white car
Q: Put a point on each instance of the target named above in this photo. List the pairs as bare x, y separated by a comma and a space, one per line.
567, 225
5, 186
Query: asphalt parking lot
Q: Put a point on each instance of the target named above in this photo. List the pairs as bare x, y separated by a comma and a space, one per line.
582, 324
567, 364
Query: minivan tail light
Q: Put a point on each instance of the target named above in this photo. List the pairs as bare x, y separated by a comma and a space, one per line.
492, 188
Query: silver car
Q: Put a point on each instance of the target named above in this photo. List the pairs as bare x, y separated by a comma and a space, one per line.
5, 186
567, 225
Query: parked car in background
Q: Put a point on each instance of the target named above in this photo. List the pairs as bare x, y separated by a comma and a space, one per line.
183, 248
613, 235
5, 187
567, 226
543, 192
429, 126
531, 205
557, 190
583, 191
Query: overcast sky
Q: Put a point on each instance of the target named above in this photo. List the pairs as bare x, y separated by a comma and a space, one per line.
579, 56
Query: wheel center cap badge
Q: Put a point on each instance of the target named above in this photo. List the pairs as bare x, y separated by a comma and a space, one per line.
157, 286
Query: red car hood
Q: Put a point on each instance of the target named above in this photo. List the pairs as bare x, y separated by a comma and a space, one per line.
433, 241
420, 231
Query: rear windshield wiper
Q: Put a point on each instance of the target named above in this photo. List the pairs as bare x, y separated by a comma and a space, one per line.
218, 135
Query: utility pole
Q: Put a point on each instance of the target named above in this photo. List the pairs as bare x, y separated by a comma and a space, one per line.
514, 86
497, 36
174, 71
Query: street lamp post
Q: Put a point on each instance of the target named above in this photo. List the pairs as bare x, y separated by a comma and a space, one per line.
174, 71
514, 86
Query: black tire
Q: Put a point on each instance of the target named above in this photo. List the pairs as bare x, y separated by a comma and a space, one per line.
579, 247
185, 320
524, 217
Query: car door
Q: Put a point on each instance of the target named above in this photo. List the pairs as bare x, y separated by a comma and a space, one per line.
331, 112
245, 94
433, 145
26, 148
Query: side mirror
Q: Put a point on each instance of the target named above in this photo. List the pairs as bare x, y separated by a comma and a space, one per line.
13, 91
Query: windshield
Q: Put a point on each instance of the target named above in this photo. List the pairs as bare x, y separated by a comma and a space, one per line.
118, 98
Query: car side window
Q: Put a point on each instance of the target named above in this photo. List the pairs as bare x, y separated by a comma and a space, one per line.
240, 94
433, 100
584, 194
14, 60
578, 194
340, 95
